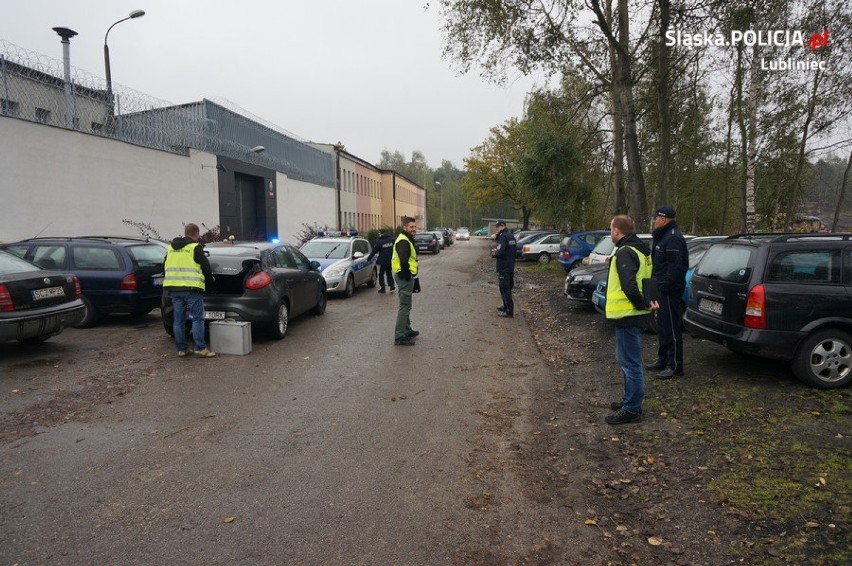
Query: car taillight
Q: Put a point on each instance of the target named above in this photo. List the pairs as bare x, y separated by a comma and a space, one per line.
6, 303
78, 291
755, 313
258, 281
566, 255
128, 283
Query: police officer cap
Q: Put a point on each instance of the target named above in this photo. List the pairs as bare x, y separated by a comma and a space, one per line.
501, 223
665, 211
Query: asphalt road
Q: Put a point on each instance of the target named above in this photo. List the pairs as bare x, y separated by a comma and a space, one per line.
331, 446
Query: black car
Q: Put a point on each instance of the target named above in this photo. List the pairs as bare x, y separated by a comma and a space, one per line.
427, 242
118, 275
781, 296
36, 304
581, 282
263, 283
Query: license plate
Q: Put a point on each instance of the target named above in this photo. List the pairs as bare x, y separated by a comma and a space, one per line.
48, 293
214, 315
158, 281
713, 307
596, 299
422, 247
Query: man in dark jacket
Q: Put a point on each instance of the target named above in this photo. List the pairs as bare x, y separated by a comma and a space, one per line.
384, 247
187, 274
505, 254
671, 262
404, 265
627, 307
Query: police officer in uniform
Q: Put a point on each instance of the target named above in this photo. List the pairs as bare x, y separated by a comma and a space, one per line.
404, 265
187, 272
671, 262
505, 254
384, 247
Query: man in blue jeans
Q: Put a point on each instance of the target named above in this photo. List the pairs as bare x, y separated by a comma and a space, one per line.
187, 272
626, 306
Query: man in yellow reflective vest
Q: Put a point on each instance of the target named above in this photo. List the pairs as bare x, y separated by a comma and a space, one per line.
187, 273
404, 266
627, 307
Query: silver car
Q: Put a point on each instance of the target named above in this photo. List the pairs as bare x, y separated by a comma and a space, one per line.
343, 261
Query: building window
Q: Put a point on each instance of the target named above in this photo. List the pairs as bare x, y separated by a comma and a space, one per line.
10, 107
42, 115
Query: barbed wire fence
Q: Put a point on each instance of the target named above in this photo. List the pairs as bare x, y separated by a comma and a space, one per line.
33, 88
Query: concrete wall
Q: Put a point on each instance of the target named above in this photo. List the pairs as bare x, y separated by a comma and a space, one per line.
303, 203
63, 183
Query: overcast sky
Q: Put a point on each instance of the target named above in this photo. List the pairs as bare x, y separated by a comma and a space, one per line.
368, 73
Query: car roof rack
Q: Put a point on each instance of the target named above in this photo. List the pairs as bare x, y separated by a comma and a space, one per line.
71, 238
791, 236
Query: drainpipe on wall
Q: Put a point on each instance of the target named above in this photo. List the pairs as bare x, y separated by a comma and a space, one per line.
396, 223
339, 206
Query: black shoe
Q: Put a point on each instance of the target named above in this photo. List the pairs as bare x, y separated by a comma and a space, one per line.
403, 342
412, 333
623, 417
655, 366
667, 373
393, 289
501, 309
617, 406
505, 314
382, 290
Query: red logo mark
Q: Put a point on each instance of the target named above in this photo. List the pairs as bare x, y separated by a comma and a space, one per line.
818, 40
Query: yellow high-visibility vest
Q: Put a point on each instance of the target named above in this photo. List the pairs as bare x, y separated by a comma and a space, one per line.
617, 303
396, 267
182, 269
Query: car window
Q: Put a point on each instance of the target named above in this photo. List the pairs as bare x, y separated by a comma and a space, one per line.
696, 252
554, 239
806, 266
604, 247
147, 255
362, 246
13, 264
302, 262
284, 259
728, 263
592, 239
574, 245
19, 251
49, 257
95, 258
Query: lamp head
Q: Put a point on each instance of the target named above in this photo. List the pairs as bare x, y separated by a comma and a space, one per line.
258, 149
137, 13
65, 33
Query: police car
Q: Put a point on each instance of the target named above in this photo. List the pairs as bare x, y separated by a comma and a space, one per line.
343, 261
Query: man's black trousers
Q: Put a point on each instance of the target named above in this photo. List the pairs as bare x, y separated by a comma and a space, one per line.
669, 334
507, 283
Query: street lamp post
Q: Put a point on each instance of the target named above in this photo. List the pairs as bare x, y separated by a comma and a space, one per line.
134, 14
441, 190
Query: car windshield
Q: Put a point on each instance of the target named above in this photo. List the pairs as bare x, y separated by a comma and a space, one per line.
424, 237
326, 250
13, 264
726, 262
604, 247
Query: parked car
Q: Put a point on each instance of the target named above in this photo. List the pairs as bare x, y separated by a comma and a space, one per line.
696, 248
343, 261
439, 235
427, 242
35, 303
448, 236
541, 248
578, 245
118, 274
463, 234
780, 296
481, 232
581, 282
264, 283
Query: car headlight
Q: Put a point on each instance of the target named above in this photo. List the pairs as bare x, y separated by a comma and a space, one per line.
334, 271
579, 278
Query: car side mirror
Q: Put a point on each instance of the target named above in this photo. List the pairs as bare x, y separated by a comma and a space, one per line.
358, 255
315, 265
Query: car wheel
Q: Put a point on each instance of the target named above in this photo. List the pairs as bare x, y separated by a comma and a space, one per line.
544, 258
35, 339
374, 278
90, 318
322, 301
824, 359
437, 250
279, 327
350, 287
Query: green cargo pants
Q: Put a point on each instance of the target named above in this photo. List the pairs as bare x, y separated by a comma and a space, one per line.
403, 316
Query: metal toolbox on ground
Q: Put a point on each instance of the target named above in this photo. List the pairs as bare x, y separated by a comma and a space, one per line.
230, 337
